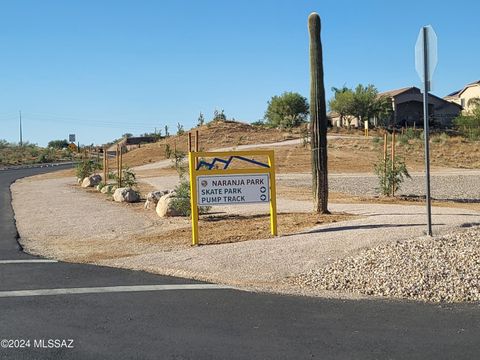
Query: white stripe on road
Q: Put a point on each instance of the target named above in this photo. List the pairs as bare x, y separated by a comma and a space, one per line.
27, 261
110, 289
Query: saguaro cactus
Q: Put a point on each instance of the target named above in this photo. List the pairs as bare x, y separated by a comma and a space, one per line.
318, 118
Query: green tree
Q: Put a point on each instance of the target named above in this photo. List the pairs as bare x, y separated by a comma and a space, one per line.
469, 124
58, 144
287, 110
364, 102
342, 104
201, 120
180, 130
127, 135
219, 115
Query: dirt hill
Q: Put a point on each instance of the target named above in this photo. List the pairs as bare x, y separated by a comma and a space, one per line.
348, 151
214, 135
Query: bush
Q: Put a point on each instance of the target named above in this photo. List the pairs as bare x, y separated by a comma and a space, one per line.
391, 179
180, 163
128, 178
181, 202
469, 125
86, 167
287, 110
168, 151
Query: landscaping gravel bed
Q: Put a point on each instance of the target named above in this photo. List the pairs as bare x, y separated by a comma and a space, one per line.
440, 269
443, 186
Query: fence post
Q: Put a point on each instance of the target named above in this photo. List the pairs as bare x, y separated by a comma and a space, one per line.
385, 147
393, 162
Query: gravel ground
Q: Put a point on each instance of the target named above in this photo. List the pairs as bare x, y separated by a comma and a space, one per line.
267, 265
441, 269
451, 185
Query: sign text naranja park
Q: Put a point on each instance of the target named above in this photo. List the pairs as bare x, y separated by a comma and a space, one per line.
233, 189
213, 182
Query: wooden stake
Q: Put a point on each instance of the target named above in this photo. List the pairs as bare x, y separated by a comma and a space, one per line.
121, 165
105, 166
385, 147
189, 142
393, 162
197, 141
118, 164
197, 147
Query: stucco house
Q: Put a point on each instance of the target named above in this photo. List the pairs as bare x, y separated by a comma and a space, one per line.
407, 110
463, 96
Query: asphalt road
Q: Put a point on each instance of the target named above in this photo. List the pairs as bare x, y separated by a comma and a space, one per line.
206, 323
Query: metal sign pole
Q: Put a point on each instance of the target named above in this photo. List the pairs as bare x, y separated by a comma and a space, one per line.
426, 129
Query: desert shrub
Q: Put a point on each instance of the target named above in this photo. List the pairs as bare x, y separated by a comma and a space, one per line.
412, 134
168, 151
390, 179
258, 123
128, 178
179, 163
180, 130
469, 125
181, 202
86, 167
402, 139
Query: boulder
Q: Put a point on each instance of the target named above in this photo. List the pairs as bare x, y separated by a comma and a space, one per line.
91, 181
153, 197
125, 195
164, 207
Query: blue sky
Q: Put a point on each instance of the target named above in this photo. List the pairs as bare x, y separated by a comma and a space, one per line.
101, 68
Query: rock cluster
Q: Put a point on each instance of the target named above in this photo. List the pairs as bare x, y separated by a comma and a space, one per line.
439, 269
153, 197
165, 205
126, 195
91, 181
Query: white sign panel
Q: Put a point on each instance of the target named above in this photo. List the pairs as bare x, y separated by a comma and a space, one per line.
233, 189
431, 37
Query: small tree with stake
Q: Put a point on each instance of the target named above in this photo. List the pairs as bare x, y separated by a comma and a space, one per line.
318, 118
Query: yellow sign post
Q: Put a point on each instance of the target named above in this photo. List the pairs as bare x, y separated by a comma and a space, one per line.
210, 185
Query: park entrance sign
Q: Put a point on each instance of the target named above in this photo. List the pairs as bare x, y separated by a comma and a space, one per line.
213, 182
233, 189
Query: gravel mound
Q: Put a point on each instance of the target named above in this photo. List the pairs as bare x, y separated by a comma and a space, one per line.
441, 269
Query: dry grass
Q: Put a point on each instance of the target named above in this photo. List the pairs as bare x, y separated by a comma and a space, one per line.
345, 155
214, 135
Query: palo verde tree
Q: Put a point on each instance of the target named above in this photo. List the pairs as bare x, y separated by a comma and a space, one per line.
342, 104
318, 118
362, 103
287, 110
58, 144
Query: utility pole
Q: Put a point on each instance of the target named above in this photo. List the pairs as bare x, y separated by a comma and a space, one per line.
21, 139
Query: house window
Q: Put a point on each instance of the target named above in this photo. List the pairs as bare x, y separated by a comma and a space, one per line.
462, 102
